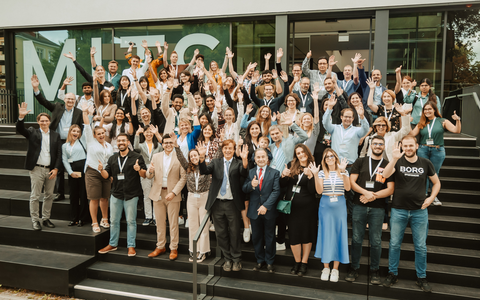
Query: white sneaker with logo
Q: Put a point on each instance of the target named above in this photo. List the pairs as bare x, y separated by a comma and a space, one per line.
437, 202
334, 275
325, 274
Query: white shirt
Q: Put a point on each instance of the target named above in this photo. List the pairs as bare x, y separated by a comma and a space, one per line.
167, 159
183, 146
44, 158
227, 195
95, 150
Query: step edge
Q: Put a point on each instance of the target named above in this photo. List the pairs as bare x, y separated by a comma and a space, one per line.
118, 293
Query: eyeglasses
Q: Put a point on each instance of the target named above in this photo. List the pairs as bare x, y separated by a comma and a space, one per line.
329, 157
378, 144
168, 143
347, 117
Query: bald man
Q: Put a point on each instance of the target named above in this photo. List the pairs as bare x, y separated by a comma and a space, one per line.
64, 115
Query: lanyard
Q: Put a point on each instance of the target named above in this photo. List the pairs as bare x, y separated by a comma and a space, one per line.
102, 111
123, 97
299, 178
345, 84
71, 149
430, 128
254, 146
120, 166
110, 76
385, 110
370, 167
208, 148
197, 178
304, 99
333, 183
321, 80
228, 131
267, 102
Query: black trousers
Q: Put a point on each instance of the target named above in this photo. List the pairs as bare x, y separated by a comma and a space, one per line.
78, 194
263, 238
227, 219
60, 182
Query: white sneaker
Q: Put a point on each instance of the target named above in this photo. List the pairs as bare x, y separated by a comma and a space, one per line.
212, 228
325, 274
334, 275
250, 226
281, 247
437, 202
180, 221
186, 223
246, 235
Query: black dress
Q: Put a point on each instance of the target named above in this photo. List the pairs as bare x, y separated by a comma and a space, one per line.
302, 222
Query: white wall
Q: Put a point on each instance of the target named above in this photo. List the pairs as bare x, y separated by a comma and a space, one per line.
34, 13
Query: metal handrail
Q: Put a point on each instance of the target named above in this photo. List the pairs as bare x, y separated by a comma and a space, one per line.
195, 240
474, 94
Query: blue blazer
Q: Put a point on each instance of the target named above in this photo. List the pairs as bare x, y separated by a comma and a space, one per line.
267, 196
192, 137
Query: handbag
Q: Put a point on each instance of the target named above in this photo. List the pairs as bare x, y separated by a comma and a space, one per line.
284, 206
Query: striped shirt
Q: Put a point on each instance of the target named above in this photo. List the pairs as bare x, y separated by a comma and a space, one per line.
279, 160
333, 185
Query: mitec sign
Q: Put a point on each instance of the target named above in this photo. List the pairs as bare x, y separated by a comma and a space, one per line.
32, 63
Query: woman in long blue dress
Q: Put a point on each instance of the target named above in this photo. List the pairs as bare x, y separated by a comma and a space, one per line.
332, 240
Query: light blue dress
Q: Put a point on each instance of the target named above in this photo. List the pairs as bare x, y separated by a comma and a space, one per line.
332, 239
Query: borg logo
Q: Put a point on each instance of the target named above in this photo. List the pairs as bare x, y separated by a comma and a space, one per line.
411, 170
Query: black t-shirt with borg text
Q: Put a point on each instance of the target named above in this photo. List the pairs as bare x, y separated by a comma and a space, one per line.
411, 182
361, 167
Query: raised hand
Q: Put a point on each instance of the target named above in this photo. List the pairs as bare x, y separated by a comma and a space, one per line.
249, 109
296, 78
240, 97
371, 83
196, 52
267, 56
140, 130
279, 53
69, 55
360, 111
85, 107
91, 109
173, 136
218, 104
414, 84
332, 61
202, 150
274, 74
151, 168
134, 73
186, 87
22, 110
230, 54
356, 58
399, 109
170, 82
396, 153
275, 116
159, 46
68, 80
455, 117
255, 77
332, 101
144, 44
286, 171
165, 45
316, 88
360, 61
128, 116
308, 172
195, 111
244, 152
35, 82
314, 168
284, 76
240, 142
100, 166
309, 54
254, 182
399, 69
153, 129
343, 165
93, 50
136, 166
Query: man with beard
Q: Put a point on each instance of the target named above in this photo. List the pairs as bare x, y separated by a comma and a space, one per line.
379, 88
316, 75
125, 167
348, 84
269, 100
176, 112
135, 67
306, 103
371, 189
267, 77
87, 89
409, 206
112, 75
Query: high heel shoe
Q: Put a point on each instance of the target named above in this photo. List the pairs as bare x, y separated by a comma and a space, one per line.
295, 268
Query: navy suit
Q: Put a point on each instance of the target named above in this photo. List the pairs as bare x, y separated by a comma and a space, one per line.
263, 226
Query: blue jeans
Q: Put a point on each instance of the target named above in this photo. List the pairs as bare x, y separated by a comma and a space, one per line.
374, 217
116, 208
419, 224
436, 156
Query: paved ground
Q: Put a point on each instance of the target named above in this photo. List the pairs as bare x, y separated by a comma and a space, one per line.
22, 294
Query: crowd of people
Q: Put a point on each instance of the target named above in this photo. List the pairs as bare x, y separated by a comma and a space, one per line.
263, 152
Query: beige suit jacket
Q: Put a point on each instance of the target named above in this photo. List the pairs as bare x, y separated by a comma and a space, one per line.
177, 177
170, 113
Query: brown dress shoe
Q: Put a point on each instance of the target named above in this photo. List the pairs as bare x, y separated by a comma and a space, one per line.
107, 249
131, 251
157, 252
173, 255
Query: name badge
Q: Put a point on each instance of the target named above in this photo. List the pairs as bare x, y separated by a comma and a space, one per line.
333, 199
196, 195
369, 184
303, 109
70, 160
327, 137
176, 129
296, 190
429, 141
343, 146
66, 129
207, 159
121, 176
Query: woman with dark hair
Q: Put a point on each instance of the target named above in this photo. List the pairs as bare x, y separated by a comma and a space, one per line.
302, 222
264, 117
291, 113
74, 155
431, 129
105, 105
419, 100
119, 125
332, 240
198, 187
186, 76
213, 108
388, 109
147, 142
204, 119
208, 137
355, 102
124, 95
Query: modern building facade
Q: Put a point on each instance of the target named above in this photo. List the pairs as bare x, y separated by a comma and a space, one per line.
437, 39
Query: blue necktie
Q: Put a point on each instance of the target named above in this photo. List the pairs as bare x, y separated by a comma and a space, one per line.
223, 190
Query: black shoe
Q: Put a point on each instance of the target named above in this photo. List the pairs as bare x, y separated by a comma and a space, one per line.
48, 223
423, 284
36, 226
72, 223
390, 280
59, 197
352, 275
259, 266
270, 269
375, 279
295, 268
303, 270
80, 223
